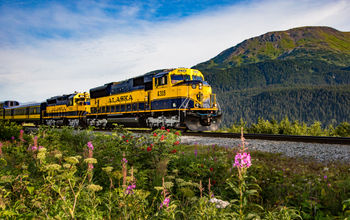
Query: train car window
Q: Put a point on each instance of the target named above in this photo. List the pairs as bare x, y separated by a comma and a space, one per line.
99, 110
134, 107
108, 109
117, 108
112, 108
128, 107
122, 108
141, 106
103, 109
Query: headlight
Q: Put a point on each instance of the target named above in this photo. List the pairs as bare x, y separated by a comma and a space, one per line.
200, 85
193, 86
197, 105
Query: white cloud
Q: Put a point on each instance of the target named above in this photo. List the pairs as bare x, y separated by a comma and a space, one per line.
127, 47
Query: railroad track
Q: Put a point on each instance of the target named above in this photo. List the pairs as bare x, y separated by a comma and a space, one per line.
292, 138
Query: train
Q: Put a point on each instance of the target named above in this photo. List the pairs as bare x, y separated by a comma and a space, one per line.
176, 98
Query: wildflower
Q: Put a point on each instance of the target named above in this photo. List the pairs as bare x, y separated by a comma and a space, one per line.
90, 160
177, 133
71, 160
12, 138
40, 147
36, 141
242, 160
89, 144
220, 204
162, 137
173, 151
151, 145
124, 160
329, 185
176, 142
91, 166
162, 128
165, 202
213, 182
211, 169
21, 135
129, 189
195, 152
127, 141
123, 136
325, 177
0, 148
149, 149
168, 130
154, 134
58, 155
34, 148
52, 167
94, 188
107, 169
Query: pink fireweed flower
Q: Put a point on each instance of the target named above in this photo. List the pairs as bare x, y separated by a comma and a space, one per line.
12, 138
91, 166
90, 146
195, 152
129, 189
124, 160
34, 148
242, 160
325, 177
165, 202
21, 135
36, 141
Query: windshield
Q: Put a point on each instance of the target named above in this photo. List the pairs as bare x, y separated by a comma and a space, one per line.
178, 78
197, 78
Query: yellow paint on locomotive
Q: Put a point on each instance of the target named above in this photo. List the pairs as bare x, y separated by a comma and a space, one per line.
199, 94
160, 91
76, 104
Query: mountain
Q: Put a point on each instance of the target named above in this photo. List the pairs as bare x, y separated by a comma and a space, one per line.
302, 73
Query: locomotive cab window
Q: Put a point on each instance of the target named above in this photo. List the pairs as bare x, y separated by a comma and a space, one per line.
197, 78
161, 81
179, 78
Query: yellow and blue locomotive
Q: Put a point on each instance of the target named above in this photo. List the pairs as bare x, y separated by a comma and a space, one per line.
68, 110
175, 98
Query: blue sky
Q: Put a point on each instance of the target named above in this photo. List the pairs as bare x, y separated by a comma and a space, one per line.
49, 48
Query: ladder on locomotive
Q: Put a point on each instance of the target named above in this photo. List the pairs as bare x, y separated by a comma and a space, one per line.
184, 104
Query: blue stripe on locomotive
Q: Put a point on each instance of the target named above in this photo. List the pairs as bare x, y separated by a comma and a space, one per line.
168, 103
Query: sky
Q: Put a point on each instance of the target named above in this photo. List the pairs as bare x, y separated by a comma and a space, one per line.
56, 47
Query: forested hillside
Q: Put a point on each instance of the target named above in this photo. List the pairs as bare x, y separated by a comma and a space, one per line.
302, 73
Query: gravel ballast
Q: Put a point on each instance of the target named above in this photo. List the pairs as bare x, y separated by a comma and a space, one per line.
320, 152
